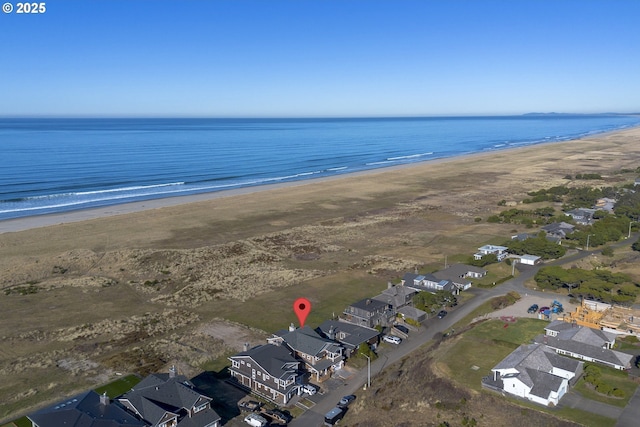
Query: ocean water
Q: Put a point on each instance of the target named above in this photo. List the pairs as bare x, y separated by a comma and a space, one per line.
59, 165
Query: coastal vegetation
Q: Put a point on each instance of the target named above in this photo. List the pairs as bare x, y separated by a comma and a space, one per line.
597, 284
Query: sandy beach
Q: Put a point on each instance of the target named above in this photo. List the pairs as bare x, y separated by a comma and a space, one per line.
120, 289
530, 153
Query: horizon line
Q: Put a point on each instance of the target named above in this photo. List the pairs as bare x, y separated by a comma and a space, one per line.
310, 117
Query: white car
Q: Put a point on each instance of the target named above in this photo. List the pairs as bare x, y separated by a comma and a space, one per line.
392, 339
310, 389
255, 420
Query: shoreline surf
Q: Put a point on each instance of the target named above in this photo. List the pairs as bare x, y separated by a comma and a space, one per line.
44, 220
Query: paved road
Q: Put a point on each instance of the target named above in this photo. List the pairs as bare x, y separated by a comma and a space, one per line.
315, 415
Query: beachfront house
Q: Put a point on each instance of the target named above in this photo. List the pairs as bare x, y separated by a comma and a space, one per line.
397, 296
499, 251
428, 283
369, 312
460, 274
270, 371
88, 409
349, 335
536, 373
170, 400
321, 356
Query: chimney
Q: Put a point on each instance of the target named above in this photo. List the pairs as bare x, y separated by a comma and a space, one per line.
172, 371
292, 327
331, 333
389, 285
368, 301
245, 347
104, 399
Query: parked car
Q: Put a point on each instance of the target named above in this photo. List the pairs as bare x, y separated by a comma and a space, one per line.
392, 339
255, 420
310, 389
441, 314
249, 405
279, 416
543, 309
533, 308
346, 400
402, 329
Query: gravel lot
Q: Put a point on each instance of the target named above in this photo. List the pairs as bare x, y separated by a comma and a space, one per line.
519, 309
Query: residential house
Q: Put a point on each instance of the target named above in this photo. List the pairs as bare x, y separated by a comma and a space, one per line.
369, 312
459, 274
321, 356
397, 296
428, 283
499, 251
268, 370
584, 343
170, 400
536, 373
88, 409
349, 335
605, 204
583, 216
559, 230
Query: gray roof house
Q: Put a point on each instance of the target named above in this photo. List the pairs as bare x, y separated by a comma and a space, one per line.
499, 251
582, 342
369, 312
321, 356
170, 400
88, 409
536, 373
583, 216
559, 230
397, 296
269, 371
459, 274
348, 334
428, 283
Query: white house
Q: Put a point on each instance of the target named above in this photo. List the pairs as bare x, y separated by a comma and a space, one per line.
499, 251
535, 373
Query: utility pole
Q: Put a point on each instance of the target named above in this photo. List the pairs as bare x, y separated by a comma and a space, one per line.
368, 370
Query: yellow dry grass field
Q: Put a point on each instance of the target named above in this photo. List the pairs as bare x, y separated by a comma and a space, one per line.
138, 292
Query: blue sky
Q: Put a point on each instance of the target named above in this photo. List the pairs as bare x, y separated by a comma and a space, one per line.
302, 58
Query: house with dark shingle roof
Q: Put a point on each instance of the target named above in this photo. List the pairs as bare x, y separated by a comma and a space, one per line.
584, 343
88, 409
459, 274
348, 334
428, 283
268, 370
536, 373
170, 400
558, 230
321, 356
582, 216
369, 312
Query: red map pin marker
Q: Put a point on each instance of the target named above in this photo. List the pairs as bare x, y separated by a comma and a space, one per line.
302, 307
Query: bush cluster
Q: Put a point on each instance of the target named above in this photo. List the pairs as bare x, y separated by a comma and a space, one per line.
593, 376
